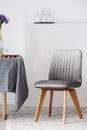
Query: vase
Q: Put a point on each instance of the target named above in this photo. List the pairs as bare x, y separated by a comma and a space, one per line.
1, 34
1, 43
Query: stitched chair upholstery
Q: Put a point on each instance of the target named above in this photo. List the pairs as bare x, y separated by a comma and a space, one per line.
65, 74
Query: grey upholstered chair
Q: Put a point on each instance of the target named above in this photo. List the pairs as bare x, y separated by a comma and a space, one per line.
65, 75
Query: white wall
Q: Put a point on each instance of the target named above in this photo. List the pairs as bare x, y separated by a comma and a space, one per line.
36, 43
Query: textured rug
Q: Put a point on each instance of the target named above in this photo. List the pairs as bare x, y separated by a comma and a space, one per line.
24, 120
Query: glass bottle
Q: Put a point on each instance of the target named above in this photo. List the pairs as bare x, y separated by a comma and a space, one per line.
1, 43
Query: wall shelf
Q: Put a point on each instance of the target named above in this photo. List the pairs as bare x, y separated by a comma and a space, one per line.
44, 22
63, 22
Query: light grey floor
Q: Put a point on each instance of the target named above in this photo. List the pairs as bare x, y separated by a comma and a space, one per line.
24, 120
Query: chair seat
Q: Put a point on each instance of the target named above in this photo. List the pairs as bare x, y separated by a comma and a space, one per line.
57, 84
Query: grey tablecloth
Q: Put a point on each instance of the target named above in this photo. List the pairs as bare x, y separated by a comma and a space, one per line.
13, 79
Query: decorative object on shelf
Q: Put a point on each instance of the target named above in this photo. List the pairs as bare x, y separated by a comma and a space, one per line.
3, 19
44, 17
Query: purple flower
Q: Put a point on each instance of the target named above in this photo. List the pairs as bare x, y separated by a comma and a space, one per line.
3, 19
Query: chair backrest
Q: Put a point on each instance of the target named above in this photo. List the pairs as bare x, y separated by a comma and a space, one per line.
66, 65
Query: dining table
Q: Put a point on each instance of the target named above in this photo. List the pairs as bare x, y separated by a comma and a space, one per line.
13, 79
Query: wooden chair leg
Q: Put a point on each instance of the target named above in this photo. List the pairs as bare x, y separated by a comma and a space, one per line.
40, 102
64, 108
76, 102
50, 103
4, 105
